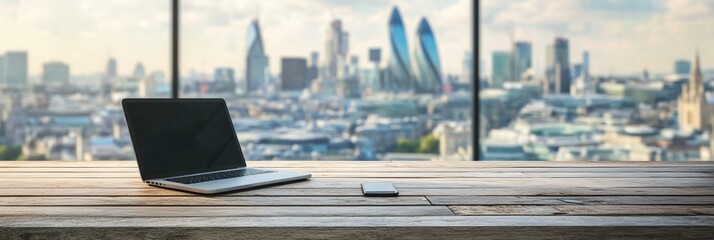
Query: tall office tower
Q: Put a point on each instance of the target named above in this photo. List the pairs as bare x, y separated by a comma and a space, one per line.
111, 68
682, 66
336, 47
557, 57
313, 70
2, 70
139, 71
501, 68
586, 64
55, 73
373, 77
224, 80
522, 59
467, 71
693, 114
15, 69
577, 71
256, 60
427, 64
375, 56
399, 74
293, 74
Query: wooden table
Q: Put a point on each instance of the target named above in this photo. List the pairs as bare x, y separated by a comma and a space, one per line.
438, 200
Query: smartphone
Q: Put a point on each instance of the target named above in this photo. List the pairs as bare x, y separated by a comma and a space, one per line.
379, 189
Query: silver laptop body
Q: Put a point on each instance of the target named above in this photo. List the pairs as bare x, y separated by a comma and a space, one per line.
191, 145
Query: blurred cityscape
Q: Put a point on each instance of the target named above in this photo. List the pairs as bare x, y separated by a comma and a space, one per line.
325, 105
574, 114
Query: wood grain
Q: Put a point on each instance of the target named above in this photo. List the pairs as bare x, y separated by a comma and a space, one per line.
438, 200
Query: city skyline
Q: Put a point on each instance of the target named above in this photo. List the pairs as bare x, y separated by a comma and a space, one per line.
651, 34
148, 27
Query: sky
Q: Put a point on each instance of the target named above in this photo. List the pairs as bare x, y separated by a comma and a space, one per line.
85, 33
622, 36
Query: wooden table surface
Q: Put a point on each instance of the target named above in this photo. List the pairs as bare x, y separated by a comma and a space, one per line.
441, 200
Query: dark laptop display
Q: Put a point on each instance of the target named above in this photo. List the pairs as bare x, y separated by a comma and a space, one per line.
182, 137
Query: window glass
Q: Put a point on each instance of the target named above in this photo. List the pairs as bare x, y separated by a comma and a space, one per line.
64, 67
594, 80
335, 80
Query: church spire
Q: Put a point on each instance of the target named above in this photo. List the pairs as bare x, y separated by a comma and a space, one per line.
696, 82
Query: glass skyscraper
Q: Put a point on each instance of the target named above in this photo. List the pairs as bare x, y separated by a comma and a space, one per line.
501, 68
522, 59
426, 60
256, 61
558, 66
399, 71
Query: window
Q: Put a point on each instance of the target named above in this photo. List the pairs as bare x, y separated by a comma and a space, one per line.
64, 67
623, 80
335, 80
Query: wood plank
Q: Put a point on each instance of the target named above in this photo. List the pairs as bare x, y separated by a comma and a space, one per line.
399, 182
582, 210
203, 211
376, 233
420, 221
355, 191
213, 201
570, 200
354, 174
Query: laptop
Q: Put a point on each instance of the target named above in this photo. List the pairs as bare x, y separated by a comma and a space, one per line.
191, 145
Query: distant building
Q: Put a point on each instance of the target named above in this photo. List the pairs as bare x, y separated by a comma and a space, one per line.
139, 71
111, 68
467, 71
224, 80
454, 140
256, 71
682, 66
558, 66
427, 64
522, 59
293, 73
375, 55
399, 74
313, 69
15, 69
55, 73
693, 112
501, 68
2, 70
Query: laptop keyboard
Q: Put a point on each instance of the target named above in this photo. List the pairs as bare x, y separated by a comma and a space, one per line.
217, 176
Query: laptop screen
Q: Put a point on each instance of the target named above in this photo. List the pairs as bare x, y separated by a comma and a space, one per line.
174, 137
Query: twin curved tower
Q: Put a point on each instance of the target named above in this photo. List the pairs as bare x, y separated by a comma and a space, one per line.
426, 77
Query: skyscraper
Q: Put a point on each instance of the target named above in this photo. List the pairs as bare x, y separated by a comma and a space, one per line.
2, 70
501, 69
586, 64
139, 71
399, 69
256, 60
426, 60
15, 69
693, 114
111, 68
682, 66
293, 73
55, 73
467, 71
522, 59
313, 69
557, 60
336, 47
